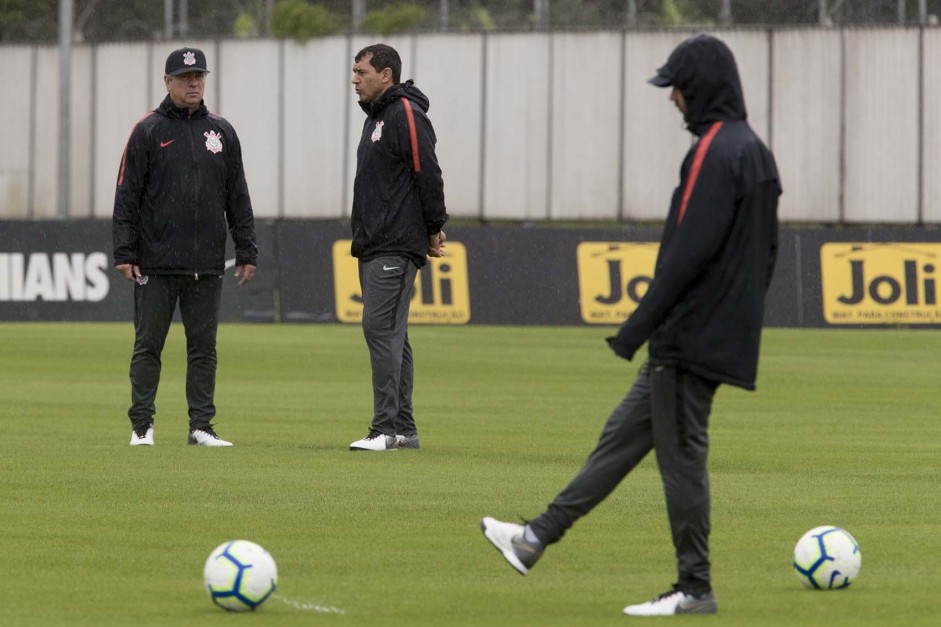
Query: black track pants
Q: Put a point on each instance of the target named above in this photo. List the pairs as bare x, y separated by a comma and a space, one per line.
154, 304
387, 284
667, 410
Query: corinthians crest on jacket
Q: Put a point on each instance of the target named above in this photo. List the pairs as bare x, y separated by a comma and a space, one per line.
213, 142
377, 134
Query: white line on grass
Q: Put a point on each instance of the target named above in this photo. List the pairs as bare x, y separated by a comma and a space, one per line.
309, 607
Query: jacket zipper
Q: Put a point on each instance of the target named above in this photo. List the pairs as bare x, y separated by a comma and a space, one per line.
195, 200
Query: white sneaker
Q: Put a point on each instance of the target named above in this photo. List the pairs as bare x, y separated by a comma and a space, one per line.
206, 437
508, 538
675, 602
375, 441
143, 436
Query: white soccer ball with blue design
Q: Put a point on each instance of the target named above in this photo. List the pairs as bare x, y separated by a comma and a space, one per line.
827, 558
240, 575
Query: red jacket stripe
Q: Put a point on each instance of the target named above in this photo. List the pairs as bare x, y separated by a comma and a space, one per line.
412, 134
124, 155
701, 151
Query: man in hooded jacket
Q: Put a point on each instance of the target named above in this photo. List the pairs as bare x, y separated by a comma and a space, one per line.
701, 316
397, 219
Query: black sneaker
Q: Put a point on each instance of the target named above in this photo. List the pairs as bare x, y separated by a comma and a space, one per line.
206, 436
509, 540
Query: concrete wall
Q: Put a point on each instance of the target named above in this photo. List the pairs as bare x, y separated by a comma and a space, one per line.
531, 126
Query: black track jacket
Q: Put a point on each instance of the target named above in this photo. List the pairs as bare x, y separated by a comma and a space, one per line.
181, 186
398, 194
704, 309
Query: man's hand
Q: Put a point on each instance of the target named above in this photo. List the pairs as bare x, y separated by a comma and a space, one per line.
436, 244
244, 273
130, 271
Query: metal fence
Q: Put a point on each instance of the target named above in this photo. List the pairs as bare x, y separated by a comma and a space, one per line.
531, 126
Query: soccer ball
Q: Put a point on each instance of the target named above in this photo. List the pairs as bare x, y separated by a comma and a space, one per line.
827, 558
240, 575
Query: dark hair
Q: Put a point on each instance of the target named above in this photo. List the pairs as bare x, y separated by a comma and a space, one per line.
383, 57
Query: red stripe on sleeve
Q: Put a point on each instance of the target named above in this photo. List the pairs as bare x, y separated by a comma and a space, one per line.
121, 171
701, 151
124, 155
412, 134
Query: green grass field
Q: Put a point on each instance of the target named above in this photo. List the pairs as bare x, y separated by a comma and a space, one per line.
845, 429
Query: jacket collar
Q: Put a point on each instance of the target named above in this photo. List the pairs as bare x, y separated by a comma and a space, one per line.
375, 107
168, 109
399, 90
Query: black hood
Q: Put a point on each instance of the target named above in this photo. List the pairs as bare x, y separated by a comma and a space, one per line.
395, 92
704, 70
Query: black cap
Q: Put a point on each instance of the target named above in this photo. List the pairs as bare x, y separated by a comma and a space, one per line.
666, 75
661, 79
185, 60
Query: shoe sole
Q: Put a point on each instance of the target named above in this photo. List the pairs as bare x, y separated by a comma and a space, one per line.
207, 440
353, 447
507, 554
407, 444
190, 442
700, 607
708, 607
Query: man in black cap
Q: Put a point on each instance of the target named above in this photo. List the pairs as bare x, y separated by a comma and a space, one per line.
701, 316
181, 186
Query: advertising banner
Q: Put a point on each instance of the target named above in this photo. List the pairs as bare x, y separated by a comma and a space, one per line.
880, 283
492, 274
52, 270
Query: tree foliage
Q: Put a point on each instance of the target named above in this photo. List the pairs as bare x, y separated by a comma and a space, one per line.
116, 20
299, 20
25, 20
395, 19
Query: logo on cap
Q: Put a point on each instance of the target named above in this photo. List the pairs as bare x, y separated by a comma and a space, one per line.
189, 58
